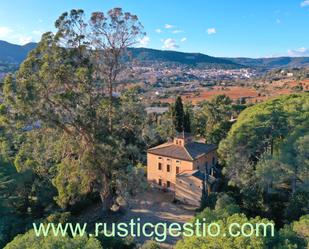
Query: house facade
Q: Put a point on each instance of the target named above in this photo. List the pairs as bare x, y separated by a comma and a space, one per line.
190, 184
183, 166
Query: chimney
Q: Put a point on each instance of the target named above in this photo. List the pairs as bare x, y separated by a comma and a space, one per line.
182, 139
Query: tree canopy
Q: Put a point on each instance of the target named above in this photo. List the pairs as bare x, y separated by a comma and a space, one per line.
265, 156
291, 236
65, 89
212, 119
30, 241
266, 130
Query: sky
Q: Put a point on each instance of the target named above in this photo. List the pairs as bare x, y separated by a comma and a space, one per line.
223, 28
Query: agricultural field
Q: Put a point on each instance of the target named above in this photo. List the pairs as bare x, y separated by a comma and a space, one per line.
251, 94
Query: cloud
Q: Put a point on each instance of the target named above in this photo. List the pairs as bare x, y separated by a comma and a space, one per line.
143, 42
169, 43
177, 31
278, 21
211, 31
168, 26
158, 31
22, 40
304, 3
5, 32
10, 35
37, 32
300, 52
183, 39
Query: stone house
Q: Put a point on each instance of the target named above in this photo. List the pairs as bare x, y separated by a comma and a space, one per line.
183, 166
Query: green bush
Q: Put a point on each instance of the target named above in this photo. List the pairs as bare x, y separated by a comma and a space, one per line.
59, 217
30, 241
150, 244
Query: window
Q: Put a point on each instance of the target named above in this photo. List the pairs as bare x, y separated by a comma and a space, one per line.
168, 168
160, 157
168, 184
160, 182
168, 159
177, 170
159, 166
177, 161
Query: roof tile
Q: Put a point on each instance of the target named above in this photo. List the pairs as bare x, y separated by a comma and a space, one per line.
189, 152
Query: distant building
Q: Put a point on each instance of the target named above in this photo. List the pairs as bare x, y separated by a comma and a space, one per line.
184, 167
157, 110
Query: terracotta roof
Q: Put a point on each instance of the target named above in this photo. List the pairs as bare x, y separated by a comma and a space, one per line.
188, 152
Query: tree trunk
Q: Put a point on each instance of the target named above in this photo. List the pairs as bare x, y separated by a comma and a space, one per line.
208, 189
293, 185
106, 195
110, 111
107, 201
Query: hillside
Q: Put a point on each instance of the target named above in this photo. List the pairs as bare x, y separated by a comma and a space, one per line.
272, 63
146, 55
14, 54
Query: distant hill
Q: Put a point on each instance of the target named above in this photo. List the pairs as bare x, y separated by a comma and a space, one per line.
272, 63
146, 55
14, 54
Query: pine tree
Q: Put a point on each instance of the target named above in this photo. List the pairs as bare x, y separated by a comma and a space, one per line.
187, 122
178, 115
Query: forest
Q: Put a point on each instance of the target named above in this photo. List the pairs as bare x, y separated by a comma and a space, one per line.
66, 142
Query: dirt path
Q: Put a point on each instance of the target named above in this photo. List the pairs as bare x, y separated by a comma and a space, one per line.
153, 206
156, 206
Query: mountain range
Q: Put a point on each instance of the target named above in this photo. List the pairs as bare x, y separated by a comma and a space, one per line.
146, 55
272, 62
15, 54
